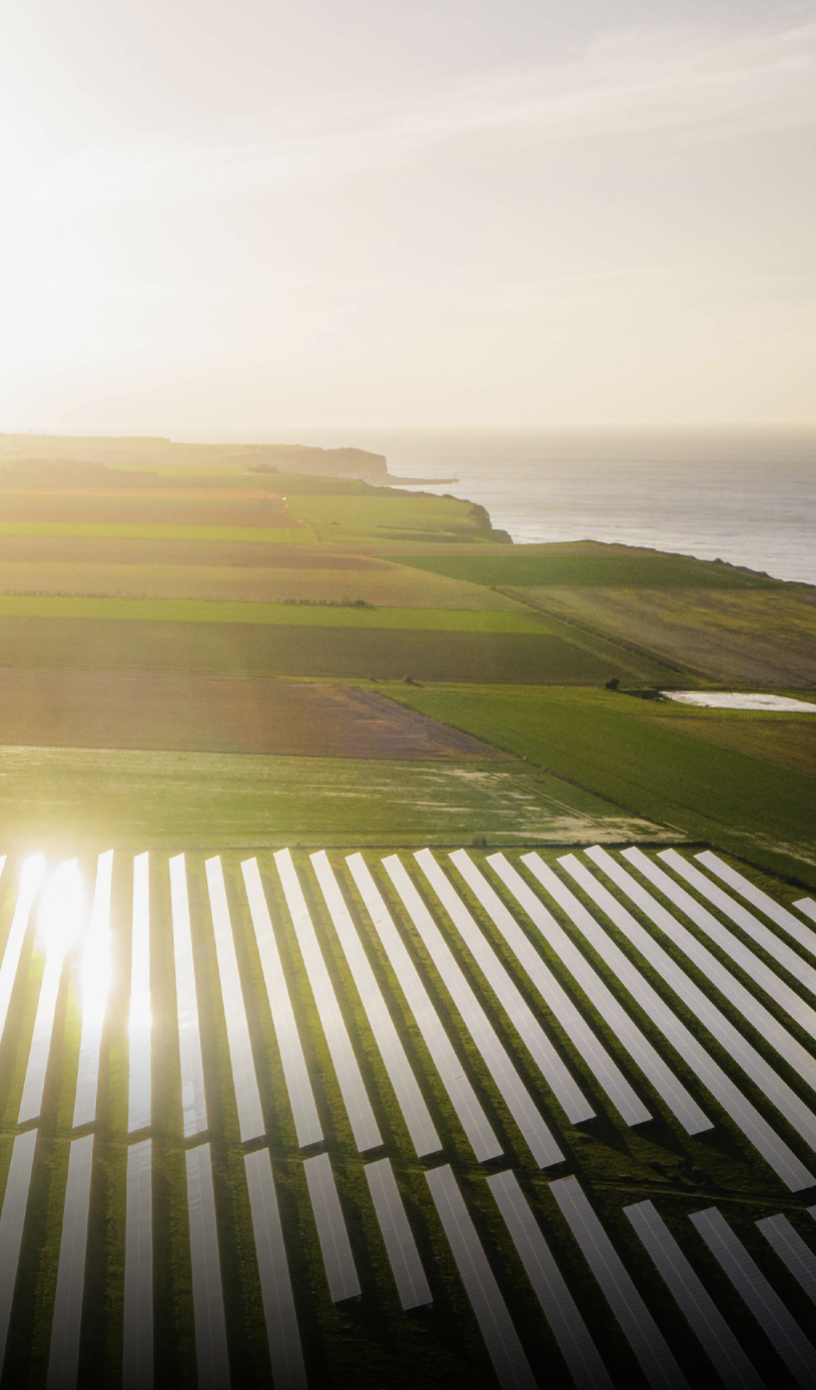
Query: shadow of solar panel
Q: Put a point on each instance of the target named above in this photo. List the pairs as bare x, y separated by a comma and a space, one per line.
331, 1229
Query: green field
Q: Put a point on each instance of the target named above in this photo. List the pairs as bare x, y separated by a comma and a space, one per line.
607, 743
589, 563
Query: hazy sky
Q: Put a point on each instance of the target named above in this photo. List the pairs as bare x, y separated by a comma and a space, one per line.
405, 212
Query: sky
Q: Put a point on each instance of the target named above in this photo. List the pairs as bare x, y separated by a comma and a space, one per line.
486, 213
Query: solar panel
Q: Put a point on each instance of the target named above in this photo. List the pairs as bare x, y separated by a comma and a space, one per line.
349, 1078
208, 1296
636, 1322
296, 1075
94, 987
778, 949
65, 1328
730, 944
606, 1072
137, 1352
791, 1249
400, 1246
765, 1304
469, 1112
331, 1229
60, 912
15, 1201
501, 1339
543, 1147
705, 1319
808, 907
409, 1097
766, 904
549, 1063
193, 1098
777, 1091
775, 1152
570, 1331
675, 1095
31, 876
250, 1115
283, 1336
139, 1026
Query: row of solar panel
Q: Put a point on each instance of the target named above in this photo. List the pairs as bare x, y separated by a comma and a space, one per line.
397, 1065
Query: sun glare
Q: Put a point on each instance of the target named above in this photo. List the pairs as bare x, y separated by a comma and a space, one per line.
61, 909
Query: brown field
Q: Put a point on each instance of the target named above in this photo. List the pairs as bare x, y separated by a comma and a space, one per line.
755, 636
787, 742
217, 714
376, 583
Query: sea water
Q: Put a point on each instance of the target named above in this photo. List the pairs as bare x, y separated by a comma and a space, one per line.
746, 496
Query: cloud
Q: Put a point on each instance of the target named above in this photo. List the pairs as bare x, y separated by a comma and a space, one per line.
687, 84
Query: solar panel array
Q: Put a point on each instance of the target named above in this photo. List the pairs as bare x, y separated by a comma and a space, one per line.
446, 1010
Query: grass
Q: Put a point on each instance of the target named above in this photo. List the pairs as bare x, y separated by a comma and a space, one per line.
790, 742
589, 563
142, 799
602, 741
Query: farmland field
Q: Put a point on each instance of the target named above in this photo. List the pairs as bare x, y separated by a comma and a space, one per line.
591, 564
130, 798
610, 744
349, 577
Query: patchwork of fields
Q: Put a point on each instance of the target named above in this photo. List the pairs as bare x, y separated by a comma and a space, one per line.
390, 1119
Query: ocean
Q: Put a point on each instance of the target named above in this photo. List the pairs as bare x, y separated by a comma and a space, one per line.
746, 496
